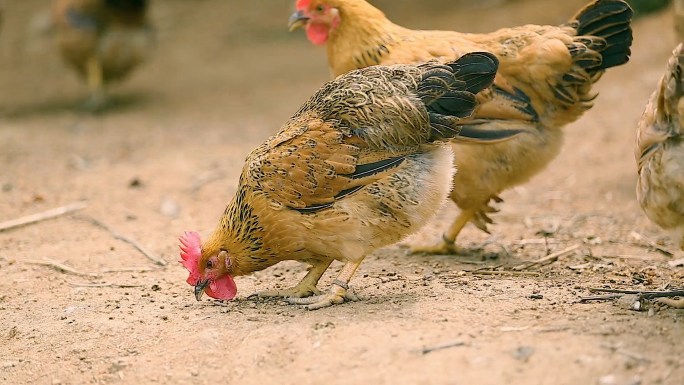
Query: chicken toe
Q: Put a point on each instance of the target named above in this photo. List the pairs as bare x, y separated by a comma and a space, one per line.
334, 296
441, 247
338, 293
446, 245
305, 288
299, 291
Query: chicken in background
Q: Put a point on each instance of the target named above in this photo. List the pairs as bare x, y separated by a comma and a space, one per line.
103, 40
544, 82
659, 152
360, 166
679, 19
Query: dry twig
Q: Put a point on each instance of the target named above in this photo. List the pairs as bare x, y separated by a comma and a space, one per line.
628, 256
548, 259
506, 272
116, 285
60, 267
426, 350
206, 178
642, 294
651, 243
130, 270
626, 353
535, 241
124, 238
39, 217
600, 298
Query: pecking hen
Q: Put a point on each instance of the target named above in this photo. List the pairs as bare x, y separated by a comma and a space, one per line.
361, 165
544, 82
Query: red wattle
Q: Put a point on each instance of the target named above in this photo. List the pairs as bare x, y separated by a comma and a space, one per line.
222, 288
317, 33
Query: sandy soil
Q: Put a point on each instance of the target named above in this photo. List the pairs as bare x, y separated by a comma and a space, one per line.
225, 75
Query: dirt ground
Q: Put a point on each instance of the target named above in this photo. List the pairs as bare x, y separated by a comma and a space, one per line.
224, 76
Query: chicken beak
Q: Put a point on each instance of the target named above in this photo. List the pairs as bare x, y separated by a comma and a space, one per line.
199, 288
297, 20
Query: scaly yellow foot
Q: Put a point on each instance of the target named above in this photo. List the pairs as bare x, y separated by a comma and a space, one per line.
299, 291
305, 288
440, 248
335, 296
446, 245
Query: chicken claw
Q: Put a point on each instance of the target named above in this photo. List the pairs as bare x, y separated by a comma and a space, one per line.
442, 247
447, 244
335, 296
299, 291
338, 293
305, 288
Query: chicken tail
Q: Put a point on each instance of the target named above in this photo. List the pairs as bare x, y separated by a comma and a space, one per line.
603, 27
450, 89
449, 93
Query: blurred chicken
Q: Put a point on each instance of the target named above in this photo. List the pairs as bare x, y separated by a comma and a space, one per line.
544, 82
679, 19
103, 40
659, 152
355, 169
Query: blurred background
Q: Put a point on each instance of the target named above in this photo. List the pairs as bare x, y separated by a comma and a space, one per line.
222, 77
165, 157
228, 56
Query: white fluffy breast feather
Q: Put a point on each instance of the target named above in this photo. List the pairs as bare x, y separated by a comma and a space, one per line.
436, 184
386, 211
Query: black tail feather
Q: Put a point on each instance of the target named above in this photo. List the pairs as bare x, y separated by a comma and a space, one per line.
476, 69
446, 127
449, 93
450, 89
609, 20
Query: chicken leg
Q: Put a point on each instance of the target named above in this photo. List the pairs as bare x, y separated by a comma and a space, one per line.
446, 245
97, 99
337, 293
480, 218
305, 288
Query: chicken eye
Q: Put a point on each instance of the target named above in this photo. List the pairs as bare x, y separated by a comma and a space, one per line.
320, 8
210, 264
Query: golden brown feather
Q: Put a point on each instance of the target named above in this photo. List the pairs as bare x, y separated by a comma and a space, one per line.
544, 82
361, 165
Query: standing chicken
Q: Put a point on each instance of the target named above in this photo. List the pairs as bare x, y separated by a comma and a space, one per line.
103, 40
544, 82
659, 151
358, 167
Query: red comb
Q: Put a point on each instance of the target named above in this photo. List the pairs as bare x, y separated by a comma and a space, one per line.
302, 4
191, 250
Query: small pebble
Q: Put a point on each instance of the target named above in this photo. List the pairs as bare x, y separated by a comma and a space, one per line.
170, 208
